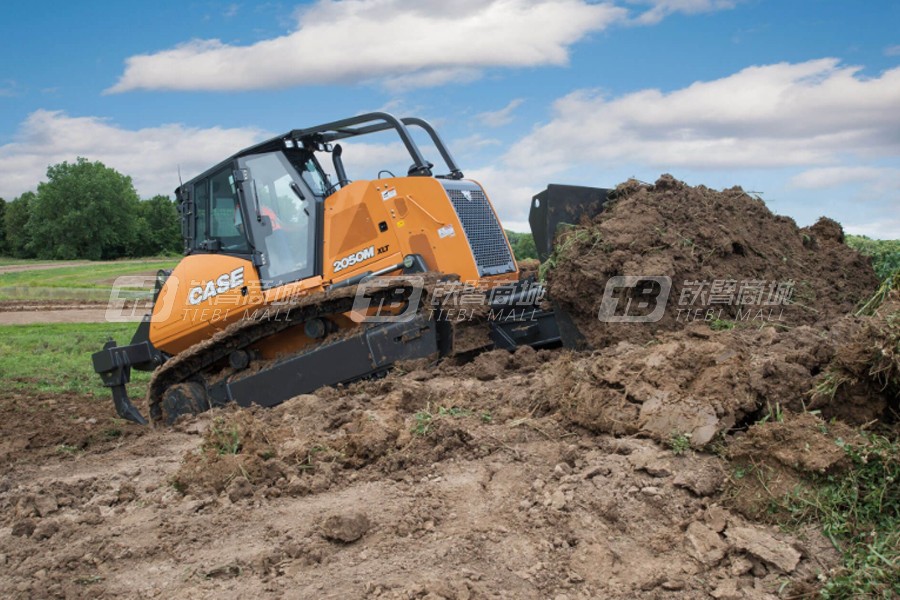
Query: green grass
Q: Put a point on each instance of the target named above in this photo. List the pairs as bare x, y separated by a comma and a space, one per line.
84, 282
721, 325
224, 438
885, 253
859, 511
425, 419
680, 443
56, 358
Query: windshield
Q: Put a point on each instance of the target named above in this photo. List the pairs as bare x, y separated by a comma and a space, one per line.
282, 221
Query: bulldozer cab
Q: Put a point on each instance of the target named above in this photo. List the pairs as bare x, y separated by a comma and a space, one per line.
265, 204
262, 207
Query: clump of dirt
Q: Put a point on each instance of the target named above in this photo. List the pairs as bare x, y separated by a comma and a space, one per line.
236, 450
862, 382
778, 457
729, 259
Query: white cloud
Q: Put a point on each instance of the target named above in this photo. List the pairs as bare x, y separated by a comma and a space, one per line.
827, 177
151, 156
663, 8
772, 116
883, 229
804, 132
429, 42
892, 50
498, 118
474, 142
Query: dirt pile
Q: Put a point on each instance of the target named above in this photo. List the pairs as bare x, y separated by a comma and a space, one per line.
456, 482
725, 252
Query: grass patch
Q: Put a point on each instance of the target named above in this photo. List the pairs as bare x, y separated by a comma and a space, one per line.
6, 261
885, 253
81, 282
680, 443
56, 358
859, 511
721, 325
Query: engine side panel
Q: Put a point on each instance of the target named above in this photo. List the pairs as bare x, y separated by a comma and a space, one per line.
370, 225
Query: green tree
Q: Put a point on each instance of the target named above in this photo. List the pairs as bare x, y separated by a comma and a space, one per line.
159, 228
2, 226
84, 210
522, 245
15, 226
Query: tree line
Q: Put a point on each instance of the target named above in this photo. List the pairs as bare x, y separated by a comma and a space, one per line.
86, 210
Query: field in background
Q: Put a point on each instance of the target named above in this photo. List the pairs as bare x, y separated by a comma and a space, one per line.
56, 358
71, 281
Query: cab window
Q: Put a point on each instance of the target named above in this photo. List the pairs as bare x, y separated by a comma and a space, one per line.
285, 218
201, 209
225, 221
217, 215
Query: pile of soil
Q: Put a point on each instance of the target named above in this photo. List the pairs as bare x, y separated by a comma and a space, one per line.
713, 244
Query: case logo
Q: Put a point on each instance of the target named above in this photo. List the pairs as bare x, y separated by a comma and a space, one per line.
219, 285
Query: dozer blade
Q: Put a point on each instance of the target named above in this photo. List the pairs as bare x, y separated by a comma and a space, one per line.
562, 205
555, 207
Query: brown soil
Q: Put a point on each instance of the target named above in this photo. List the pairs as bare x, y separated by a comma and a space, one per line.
643, 468
695, 234
68, 315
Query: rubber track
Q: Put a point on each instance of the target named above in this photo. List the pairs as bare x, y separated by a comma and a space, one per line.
244, 333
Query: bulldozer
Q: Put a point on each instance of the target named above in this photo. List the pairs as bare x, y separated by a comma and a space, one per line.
294, 278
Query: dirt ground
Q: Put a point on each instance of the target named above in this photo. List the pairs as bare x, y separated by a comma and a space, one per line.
31, 312
608, 473
358, 494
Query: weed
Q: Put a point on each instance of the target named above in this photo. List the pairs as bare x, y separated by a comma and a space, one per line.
571, 242
742, 471
721, 324
680, 443
829, 385
312, 453
67, 449
423, 422
774, 413
224, 438
178, 485
425, 419
486, 417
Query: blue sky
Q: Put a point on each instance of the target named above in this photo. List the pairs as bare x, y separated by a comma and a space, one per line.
795, 99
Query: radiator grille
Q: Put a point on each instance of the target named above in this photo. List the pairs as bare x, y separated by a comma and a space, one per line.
482, 229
